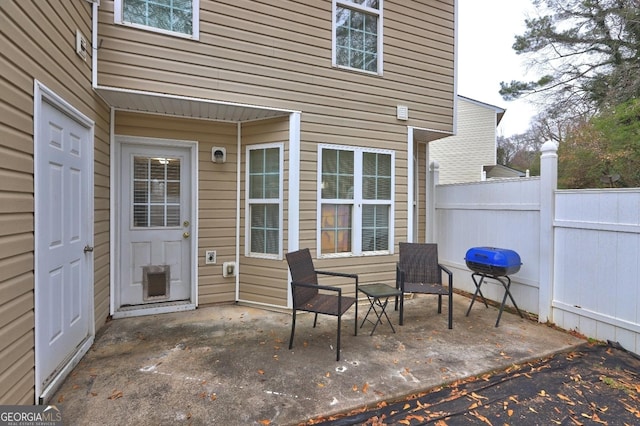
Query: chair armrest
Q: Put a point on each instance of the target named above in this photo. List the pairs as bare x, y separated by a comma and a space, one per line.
340, 274
319, 287
445, 269
448, 272
337, 274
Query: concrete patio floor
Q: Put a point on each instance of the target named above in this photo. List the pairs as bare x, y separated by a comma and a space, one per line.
230, 364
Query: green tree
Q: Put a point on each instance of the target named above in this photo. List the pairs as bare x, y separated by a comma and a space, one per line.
604, 151
520, 151
587, 50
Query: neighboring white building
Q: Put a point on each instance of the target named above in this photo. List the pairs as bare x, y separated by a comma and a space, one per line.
462, 157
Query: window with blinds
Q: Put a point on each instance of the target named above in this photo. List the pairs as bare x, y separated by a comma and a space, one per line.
156, 192
356, 203
264, 189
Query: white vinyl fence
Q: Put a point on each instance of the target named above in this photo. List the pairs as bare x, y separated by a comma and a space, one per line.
580, 248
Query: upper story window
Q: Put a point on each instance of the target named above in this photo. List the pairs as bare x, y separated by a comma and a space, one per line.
264, 201
355, 213
357, 35
175, 17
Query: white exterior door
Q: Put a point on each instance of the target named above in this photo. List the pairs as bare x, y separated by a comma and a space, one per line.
64, 234
155, 225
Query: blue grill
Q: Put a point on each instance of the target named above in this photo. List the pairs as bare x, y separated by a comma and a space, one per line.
493, 261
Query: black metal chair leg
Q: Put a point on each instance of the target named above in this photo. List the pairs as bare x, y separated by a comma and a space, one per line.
450, 311
355, 331
293, 328
338, 342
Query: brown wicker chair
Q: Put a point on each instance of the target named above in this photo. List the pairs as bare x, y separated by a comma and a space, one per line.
418, 271
310, 297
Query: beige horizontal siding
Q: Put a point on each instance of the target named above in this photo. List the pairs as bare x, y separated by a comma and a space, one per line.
38, 42
279, 54
264, 280
216, 191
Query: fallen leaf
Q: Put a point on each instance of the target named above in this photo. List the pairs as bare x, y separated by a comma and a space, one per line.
61, 399
115, 395
355, 388
260, 371
576, 422
365, 387
509, 412
476, 396
566, 399
265, 422
213, 397
480, 417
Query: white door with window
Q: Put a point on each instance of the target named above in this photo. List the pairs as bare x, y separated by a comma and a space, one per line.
155, 223
64, 238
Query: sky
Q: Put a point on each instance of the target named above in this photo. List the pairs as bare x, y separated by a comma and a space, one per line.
486, 31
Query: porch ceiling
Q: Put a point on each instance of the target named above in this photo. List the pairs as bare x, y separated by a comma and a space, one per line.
181, 106
428, 135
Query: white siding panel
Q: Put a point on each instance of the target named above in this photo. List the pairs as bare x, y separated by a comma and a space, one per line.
462, 156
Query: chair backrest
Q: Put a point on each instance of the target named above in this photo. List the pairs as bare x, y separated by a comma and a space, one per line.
420, 263
302, 271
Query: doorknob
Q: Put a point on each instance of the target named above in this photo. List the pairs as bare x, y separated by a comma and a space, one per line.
88, 248
186, 235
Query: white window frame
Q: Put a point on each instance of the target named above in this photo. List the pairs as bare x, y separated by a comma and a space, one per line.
349, 4
357, 202
279, 201
118, 12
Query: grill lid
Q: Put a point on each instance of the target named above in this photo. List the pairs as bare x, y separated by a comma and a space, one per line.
493, 261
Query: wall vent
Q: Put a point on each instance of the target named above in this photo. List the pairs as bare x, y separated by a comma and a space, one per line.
402, 112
